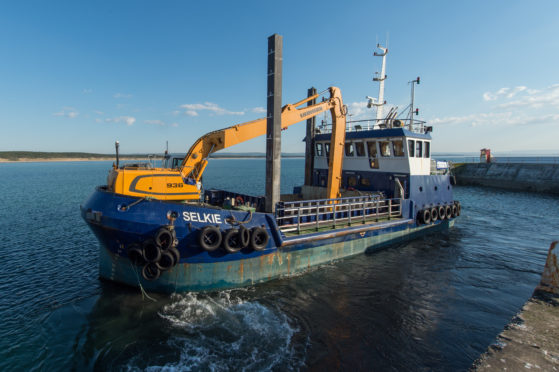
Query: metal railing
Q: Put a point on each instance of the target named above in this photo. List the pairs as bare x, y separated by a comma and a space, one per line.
551, 159
315, 214
418, 126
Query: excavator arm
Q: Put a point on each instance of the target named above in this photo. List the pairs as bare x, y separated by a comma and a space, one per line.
166, 184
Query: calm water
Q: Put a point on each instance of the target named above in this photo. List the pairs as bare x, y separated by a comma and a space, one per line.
432, 304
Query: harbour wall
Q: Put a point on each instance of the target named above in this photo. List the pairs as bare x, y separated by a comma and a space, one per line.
530, 340
542, 178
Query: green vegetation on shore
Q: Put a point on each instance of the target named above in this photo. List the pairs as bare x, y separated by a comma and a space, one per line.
38, 155
17, 155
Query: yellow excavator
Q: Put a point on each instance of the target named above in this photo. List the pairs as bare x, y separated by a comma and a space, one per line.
184, 183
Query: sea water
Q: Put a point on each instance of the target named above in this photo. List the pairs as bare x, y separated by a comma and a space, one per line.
434, 303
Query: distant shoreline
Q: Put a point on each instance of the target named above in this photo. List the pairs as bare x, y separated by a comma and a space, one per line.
44, 160
53, 160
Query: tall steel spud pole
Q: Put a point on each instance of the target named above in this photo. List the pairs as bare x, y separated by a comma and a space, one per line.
273, 128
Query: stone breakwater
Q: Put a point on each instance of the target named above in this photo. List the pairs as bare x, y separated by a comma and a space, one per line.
542, 178
531, 339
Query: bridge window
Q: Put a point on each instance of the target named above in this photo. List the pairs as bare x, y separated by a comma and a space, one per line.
411, 148
398, 147
352, 181
349, 150
360, 148
418, 148
427, 151
327, 149
365, 181
372, 147
319, 149
385, 148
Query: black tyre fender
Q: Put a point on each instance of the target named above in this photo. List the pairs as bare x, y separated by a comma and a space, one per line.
166, 261
150, 271
419, 217
448, 211
458, 208
245, 236
232, 241
210, 238
165, 237
454, 210
175, 252
442, 212
426, 216
135, 254
434, 214
151, 252
258, 238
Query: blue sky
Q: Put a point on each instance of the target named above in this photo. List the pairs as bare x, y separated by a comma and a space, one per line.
76, 76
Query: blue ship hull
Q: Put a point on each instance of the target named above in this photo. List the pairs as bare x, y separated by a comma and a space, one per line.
120, 221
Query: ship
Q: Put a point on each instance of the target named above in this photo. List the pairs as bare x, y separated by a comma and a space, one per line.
368, 184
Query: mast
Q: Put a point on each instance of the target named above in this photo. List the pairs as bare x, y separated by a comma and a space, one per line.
413, 82
380, 102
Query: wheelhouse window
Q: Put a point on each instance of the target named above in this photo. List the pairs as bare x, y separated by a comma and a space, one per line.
427, 151
352, 181
411, 148
372, 148
385, 148
398, 147
327, 149
365, 181
418, 148
319, 149
360, 148
349, 149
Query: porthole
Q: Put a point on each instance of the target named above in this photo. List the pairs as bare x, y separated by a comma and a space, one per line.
420, 188
436, 188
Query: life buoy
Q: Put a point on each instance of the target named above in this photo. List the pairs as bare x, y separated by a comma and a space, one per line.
165, 238
151, 251
150, 271
258, 238
210, 238
426, 216
166, 261
239, 200
448, 211
442, 212
135, 254
245, 236
232, 241
434, 214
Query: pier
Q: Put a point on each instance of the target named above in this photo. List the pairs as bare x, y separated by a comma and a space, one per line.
543, 178
529, 341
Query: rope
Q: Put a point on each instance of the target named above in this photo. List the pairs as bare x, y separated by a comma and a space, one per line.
144, 293
233, 221
126, 207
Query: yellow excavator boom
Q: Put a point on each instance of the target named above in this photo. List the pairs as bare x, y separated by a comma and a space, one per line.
184, 183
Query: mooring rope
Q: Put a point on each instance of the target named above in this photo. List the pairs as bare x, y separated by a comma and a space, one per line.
233, 221
126, 207
144, 293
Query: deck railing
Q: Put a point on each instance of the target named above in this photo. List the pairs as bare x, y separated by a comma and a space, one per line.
315, 214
